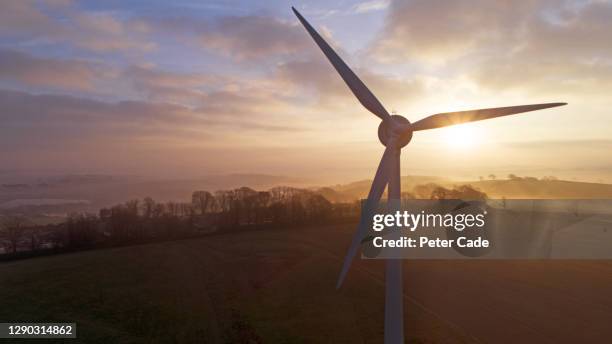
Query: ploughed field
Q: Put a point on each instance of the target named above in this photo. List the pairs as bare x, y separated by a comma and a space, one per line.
278, 286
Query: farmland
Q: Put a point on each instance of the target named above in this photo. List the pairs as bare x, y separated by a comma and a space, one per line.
278, 286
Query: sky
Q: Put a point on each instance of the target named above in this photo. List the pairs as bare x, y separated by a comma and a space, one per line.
190, 88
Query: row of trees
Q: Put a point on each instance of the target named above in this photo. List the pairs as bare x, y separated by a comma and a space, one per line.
146, 219
436, 191
278, 205
18, 234
13, 228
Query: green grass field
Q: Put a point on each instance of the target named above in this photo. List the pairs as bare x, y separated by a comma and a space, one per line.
274, 286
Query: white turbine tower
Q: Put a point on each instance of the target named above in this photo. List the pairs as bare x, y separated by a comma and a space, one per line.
395, 132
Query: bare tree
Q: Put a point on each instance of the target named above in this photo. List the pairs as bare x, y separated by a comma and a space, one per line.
148, 206
263, 200
132, 206
202, 201
224, 200
12, 230
124, 221
158, 210
81, 230
171, 208
34, 233
318, 208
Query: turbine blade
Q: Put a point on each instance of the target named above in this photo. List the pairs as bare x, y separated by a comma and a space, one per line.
451, 118
376, 190
359, 89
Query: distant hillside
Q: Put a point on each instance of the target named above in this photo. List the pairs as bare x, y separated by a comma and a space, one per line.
562, 189
57, 196
526, 188
101, 190
357, 190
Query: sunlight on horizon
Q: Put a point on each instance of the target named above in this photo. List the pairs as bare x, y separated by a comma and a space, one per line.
461, 137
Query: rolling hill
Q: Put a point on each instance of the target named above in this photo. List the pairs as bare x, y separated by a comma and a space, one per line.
278, 286
511, 189
275, 286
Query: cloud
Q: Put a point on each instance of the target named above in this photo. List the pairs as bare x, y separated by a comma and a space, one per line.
240, 37
320, 79
21, 108
34, 71
42, 74
434, 30
78, 116
90, 80
23, 19
297, 69
50, 23
254, 36
243, 38
579, 144
103, 32
566, 52
545, 47
45, 131
370, 6
160, 85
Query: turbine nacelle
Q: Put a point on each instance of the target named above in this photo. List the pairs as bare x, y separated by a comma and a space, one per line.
396, 127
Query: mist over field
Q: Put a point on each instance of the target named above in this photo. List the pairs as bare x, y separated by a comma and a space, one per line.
61, 195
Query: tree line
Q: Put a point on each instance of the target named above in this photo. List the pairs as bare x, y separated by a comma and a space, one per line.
145, 220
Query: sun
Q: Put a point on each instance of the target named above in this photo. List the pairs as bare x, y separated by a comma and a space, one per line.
461, 137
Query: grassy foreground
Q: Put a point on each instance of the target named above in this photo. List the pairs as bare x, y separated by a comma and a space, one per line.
252, 287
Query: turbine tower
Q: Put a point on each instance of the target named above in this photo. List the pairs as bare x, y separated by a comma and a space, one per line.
395, 132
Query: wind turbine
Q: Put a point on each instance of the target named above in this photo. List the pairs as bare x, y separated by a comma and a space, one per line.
395, 132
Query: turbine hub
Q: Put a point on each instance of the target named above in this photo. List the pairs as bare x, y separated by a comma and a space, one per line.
400, 129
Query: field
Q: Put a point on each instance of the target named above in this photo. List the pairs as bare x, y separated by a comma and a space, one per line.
278, 286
